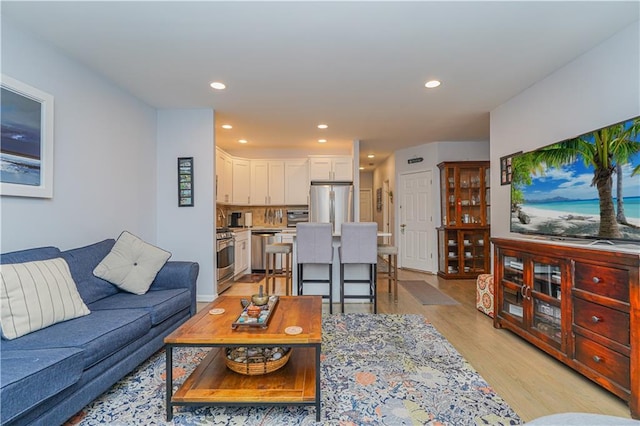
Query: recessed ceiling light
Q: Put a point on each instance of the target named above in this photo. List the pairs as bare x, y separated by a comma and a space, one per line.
371, 156
218, 85
322, 140
361, 168
431, 84
227, 126
322, 126
242, 141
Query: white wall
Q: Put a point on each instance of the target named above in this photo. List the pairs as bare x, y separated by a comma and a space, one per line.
599, 88
104, 159
433, 154
189, 232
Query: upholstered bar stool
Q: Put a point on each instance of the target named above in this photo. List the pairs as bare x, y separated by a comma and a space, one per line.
359, 245
270, 273
391, 274
314, 247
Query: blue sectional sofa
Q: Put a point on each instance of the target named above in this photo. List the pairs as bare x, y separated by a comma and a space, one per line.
49, 375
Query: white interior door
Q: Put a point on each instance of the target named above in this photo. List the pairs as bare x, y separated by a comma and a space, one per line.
416, 221
366, 205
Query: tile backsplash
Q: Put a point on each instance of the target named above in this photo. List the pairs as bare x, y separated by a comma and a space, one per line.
263, 216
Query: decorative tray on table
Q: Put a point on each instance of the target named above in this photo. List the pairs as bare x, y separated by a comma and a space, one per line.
254, 315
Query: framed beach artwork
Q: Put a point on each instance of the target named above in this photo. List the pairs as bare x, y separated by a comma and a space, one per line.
26, 146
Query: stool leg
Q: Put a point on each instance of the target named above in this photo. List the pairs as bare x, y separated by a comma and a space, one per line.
373, 274
330, 288
300, 278
266, 272
269, 274
342, 288
395, 277
389, 273
287, 280
274, 258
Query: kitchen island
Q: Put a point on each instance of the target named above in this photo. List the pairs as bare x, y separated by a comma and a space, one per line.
320, 271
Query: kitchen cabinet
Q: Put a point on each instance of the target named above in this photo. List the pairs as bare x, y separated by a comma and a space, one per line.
267, 182
241, 181
224, 177
581, 305
463, 237
335, 168
242, 252
296, 181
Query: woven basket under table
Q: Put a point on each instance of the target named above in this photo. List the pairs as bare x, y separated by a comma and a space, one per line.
257, 365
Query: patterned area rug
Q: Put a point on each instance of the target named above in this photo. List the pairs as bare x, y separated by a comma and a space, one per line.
376, 370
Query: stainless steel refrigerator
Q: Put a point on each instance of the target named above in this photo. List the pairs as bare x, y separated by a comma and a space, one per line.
331, 202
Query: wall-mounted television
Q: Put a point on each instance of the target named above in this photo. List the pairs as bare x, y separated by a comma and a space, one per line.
583, 187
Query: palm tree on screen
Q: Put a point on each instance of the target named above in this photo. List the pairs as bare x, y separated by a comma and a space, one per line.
604, 150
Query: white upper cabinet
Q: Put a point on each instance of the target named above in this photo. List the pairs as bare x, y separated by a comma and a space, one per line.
241, 181
331, 168
224, 177
296, 178
267, 182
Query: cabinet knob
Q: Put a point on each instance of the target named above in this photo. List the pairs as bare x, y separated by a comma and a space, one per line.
596, 358
595, 319
596, 280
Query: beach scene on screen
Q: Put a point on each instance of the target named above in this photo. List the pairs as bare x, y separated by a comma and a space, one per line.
567, 190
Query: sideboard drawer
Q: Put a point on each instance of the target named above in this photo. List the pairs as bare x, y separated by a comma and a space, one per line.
604, 281
604, 321
602, 360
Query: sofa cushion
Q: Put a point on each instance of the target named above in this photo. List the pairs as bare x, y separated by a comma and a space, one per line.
132, 264
81, 262
28, 377
100, 334
41, 253
160, 304
34, 295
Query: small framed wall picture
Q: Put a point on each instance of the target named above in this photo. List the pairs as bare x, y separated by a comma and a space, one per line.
506, 168
185, 182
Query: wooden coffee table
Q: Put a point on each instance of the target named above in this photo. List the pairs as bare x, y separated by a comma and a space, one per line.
212, 383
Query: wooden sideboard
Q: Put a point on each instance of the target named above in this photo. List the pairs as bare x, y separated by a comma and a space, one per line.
579, 304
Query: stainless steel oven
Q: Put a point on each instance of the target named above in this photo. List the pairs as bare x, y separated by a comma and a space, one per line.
225, 258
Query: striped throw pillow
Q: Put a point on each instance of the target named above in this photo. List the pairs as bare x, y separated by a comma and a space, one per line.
35, 295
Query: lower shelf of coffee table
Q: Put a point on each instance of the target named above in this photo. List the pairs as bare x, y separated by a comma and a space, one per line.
213, 382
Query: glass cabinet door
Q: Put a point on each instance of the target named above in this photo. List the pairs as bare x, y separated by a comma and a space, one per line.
487, 196
452, 254
546, 295
513, 287
448, 196
473, 251
471, 195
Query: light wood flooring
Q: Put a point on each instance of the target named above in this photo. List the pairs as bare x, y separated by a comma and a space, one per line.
533, 384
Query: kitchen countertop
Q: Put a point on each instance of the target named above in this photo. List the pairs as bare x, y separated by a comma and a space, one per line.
291, 231
264, 229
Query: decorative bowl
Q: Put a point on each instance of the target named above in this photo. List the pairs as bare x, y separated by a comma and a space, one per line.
260, 300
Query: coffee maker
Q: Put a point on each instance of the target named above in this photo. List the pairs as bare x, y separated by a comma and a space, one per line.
236, 220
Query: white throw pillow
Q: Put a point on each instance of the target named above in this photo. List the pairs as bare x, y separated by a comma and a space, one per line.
35, 295
132, 264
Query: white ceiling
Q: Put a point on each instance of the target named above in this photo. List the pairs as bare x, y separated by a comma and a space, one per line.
360, 67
